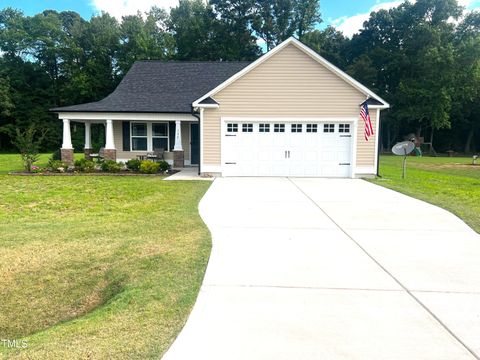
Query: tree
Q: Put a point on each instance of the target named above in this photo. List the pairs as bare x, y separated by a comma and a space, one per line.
329, 43
276, 20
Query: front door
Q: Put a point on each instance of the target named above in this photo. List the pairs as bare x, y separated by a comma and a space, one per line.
195, 144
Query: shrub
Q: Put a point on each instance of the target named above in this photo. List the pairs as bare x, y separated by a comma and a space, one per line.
164, 166
133, 164
84, 165
28, 143
111, 166
149, 167
56, 166
56, 155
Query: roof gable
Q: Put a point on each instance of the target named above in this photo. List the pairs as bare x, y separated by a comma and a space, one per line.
309, 52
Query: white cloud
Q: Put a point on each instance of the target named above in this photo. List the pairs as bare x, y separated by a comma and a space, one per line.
350, 25
119, 8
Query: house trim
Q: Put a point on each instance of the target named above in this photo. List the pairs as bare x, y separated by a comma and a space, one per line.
83, 116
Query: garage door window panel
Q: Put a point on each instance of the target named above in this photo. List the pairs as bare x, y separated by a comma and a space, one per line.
264, 128
279, 128
248, 128
312, 128
344, 128
297, 128
328, 128
232, 128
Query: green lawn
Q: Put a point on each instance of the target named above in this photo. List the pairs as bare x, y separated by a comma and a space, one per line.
451, 183
97, 267
13, 162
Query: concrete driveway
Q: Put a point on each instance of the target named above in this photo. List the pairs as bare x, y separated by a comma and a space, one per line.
332, 269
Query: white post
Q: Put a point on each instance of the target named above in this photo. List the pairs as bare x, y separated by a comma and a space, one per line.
88, 140
67, 138
178, 136
109, 144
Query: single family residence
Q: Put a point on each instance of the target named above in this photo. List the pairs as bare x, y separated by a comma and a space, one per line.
289, 113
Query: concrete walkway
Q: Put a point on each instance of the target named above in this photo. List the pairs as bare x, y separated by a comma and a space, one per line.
332, 269
188, 173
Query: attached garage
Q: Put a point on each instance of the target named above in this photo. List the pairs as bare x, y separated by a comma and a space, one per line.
287, 148
290, 113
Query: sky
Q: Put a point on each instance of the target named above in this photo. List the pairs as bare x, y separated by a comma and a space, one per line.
346, 15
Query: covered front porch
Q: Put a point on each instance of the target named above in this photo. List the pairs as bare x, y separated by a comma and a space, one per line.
132, 136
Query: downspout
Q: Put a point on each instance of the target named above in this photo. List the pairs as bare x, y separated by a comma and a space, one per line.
199, 140
379, 135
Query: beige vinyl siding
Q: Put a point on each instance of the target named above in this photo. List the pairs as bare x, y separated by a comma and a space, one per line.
118, 140
290, 83
366, 149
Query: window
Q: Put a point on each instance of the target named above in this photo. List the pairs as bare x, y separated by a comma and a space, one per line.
264, 128
296, 128
311, 128
344, 128
160, 136
279, 127
247, 127
139, 136
328, 128
232, 128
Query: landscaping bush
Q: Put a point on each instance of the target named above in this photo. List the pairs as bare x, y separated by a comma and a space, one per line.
84, 165
56, 155
133, 164
56, 166
149, 167
111, 166
164, 166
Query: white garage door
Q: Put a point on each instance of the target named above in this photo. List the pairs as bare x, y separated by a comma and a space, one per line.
317, 149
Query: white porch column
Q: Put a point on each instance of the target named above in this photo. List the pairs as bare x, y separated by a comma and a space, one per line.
178, 136
67, 137
88, 138
109, 144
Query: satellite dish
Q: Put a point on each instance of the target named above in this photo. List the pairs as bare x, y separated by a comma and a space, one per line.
403, 148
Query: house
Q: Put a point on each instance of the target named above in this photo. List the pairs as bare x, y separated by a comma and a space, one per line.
289, 113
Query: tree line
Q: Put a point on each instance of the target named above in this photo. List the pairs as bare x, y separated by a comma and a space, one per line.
423, 58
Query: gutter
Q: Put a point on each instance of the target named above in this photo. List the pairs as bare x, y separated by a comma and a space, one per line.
199, 140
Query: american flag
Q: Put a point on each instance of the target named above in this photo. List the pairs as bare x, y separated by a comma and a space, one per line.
368, 131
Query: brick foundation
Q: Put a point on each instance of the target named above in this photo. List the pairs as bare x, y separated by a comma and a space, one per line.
87, 153
178, 159
67, 156
110, 154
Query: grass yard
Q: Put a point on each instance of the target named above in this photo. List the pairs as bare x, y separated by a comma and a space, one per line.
12, 162
97, 267
451, 183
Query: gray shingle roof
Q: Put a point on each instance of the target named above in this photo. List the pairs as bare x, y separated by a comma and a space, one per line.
162, 86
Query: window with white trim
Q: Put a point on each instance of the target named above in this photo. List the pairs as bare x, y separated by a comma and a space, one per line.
264, 128
296, 128
232, 128
160, 136
312, 128
344, 128
328, 128
247, 127
139, 136
279, 128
